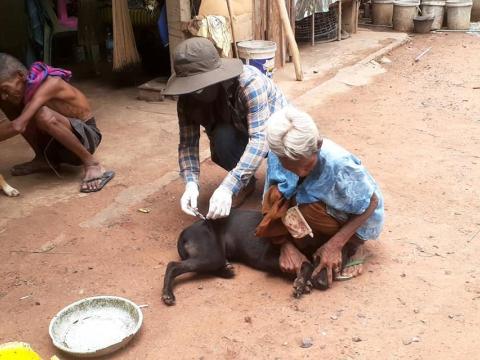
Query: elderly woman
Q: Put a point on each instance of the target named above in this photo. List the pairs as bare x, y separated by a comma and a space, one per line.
338, 198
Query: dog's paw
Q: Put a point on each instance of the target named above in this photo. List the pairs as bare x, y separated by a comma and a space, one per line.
168, 299
300, 287
10, 191
227, 272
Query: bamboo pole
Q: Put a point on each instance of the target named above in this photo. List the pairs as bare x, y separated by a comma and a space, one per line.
291, 39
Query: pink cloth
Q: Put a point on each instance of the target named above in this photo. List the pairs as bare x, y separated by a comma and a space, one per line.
63, 18
39, 71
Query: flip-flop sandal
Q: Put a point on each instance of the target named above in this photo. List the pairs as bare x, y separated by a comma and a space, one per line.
104, 179
351, 263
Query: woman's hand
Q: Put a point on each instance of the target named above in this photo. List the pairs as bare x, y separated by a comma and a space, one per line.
329, 256
291, 259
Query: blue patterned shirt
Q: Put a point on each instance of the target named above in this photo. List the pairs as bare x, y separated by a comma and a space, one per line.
339, 180
257, 98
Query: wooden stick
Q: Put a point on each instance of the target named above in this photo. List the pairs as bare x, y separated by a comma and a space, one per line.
233, 31
291, 39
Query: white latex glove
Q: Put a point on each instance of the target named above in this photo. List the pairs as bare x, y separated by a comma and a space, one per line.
220, 203
189, 198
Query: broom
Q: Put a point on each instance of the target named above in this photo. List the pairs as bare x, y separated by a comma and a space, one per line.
125, 54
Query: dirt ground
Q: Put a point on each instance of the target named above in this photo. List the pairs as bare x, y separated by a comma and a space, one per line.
417, 129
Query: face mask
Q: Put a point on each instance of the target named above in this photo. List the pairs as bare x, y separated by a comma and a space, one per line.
206, 95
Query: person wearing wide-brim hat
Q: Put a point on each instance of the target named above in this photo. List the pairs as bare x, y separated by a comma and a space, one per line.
232, 102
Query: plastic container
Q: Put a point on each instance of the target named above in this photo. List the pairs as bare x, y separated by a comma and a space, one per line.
458, 14
403, 14
437, 9
382, 12
258, 53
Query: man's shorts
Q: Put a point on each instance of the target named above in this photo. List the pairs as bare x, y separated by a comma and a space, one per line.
88, 135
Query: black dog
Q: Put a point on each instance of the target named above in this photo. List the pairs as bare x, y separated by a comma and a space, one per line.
207, 247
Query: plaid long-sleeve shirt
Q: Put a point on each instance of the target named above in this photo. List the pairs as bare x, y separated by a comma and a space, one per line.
255, 100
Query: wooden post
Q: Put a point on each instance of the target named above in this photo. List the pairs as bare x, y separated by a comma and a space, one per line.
230, 15
177, 11
274, 30
293, 16
313, 22
259, 19
283, 47
339, 20
291, 39
357, 11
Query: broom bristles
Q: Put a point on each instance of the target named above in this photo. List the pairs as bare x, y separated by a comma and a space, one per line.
125, 54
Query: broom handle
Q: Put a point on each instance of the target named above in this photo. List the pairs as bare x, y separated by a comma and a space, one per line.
231, 25
291, 39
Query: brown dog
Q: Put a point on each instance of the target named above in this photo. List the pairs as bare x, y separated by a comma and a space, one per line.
7, 189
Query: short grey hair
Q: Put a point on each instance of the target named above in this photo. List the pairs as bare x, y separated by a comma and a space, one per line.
9, 66
292, 133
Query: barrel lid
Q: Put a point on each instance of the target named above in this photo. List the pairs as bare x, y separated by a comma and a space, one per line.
434, 2
258, 45
406, 3
458, 3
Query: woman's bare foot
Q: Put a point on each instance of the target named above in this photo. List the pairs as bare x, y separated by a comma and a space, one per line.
37, 165
353, 267
291, 259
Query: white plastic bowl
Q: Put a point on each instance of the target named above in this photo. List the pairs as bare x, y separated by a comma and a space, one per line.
95, 326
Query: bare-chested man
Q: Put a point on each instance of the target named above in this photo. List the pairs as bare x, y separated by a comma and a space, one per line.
54, 117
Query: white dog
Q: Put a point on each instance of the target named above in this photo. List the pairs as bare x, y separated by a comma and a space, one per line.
7, 189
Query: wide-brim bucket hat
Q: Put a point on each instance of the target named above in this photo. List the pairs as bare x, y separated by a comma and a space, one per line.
197, 65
